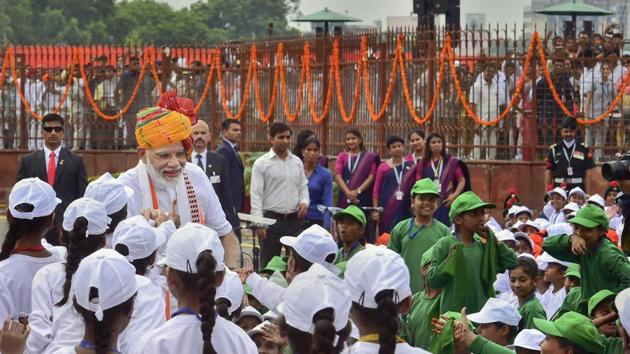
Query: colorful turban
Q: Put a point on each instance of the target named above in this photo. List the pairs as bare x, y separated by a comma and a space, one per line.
157, 127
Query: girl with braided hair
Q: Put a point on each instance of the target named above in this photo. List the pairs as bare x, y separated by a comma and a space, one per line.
378, 281
32, 204
194, 270
54, 323
315, 312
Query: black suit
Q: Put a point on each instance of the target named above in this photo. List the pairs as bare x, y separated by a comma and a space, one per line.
236, 172
217, 172
70, 180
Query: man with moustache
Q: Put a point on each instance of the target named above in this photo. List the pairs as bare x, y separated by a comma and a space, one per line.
215, 167
163, 180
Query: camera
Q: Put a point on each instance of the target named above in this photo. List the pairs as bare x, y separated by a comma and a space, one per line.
618, 169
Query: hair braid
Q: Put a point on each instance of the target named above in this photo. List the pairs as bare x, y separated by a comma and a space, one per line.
323, 339
387, 311
206, 287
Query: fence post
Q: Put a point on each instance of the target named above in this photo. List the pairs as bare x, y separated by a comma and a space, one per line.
382, 91
325, 80
245, 63
20, 59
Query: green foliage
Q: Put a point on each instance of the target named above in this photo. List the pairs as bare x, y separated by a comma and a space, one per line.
141, 21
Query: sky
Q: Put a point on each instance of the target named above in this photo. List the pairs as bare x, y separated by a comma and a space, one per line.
497, 11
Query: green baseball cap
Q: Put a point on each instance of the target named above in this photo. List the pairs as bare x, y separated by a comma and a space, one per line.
425, 186
574, 327
354, 212
248, 289
573, 270
427, 257
591, 216
596, 299
277, 263
466, 202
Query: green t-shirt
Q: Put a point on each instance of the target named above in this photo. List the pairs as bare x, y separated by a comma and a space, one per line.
570, 303
342, 258
605, 267
474, 294
613, 345
412, 242
417, 330
531, 309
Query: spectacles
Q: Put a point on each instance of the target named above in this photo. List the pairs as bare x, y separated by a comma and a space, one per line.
166, 156
50, 129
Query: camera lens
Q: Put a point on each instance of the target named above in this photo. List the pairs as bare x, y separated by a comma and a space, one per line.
616, 170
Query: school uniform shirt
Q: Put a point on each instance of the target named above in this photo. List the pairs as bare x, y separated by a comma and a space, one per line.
483, 346
266, 292
373, 348
18, 271
529, 310
613, 345
47, 292
473, 253
343, 258
571, 303
182, 334
411, 241
417, 330
604, 267
551, 301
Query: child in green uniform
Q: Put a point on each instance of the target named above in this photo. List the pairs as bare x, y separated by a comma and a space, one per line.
574, 293
523, 283
570, 333
602, 264
414, 236
465, 265
497, 322
601, 313
350, 227
417, 329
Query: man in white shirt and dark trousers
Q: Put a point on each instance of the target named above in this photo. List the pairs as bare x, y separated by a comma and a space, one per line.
279, 190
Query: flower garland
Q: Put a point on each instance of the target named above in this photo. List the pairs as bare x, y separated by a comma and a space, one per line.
265, 117
317, 118
357, 86
5, 64
405, 86
250, 71
292, 117
206, 87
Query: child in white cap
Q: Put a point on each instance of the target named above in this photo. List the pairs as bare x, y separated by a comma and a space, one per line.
54, 324
528, 340
138, 241
104, 293
315, 312
32, 204
194, 270
265, 346
314, 245
379, 285
496, 322
249, 318
557, 200
577, 196
229, 296
523, 283
555, 271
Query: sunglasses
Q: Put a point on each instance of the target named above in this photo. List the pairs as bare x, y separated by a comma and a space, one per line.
50, 129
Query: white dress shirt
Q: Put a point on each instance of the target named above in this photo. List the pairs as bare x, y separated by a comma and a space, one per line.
278, 185
47, 155
203, 159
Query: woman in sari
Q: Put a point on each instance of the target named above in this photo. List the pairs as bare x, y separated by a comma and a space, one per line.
392, 176
355, 169
416, 141
449, 173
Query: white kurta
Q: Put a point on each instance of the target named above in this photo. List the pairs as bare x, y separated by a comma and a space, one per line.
182, 334
17, 272
209, 204
551, 301
373, 348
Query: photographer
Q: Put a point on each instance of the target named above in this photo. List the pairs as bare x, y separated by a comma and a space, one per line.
619, 171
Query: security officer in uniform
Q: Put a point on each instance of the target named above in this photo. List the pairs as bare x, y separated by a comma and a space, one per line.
569, 160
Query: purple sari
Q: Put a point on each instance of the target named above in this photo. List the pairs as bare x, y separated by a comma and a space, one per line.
365, 167
394, 212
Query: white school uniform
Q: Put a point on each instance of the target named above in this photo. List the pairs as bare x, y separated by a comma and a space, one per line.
18, 271
551, 301
182, 334
372, 348
47, 291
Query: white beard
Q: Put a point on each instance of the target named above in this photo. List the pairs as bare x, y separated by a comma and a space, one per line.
158, 178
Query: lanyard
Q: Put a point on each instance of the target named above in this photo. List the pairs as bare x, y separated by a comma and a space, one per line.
437, 172
564, 151
374, 338
411, 226
399, 175
185, 311
352, 167
89, 345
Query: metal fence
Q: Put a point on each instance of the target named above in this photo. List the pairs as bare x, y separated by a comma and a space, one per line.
380, 82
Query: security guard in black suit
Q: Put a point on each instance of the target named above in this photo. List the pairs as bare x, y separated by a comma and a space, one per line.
569, 160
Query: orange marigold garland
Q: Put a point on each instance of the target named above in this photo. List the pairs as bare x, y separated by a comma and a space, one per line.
264, 117
317, 118
357, 86
250, 70
292, 117
388, 95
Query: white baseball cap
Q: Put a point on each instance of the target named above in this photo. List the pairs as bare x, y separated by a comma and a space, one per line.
374, 270
35, 192
512, 210
185, 245
497, 310
622, 303
597, 200
139, 236
519, 235
92, 210
109, 191
561, 228
517, 226
505, 235
571, 206
258, 329
543, 223
547, 258
231, 289
312, 291
534, 224
113, 277
523, 209
314, 245
249, 311
559, 191
577, 190
270, 315
529, 339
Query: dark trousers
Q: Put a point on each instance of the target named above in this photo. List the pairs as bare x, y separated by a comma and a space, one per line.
271, 246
